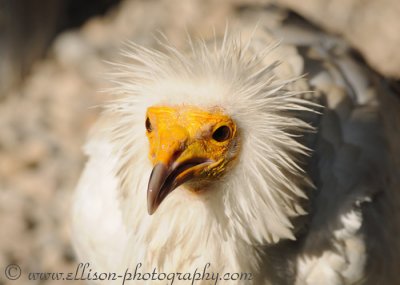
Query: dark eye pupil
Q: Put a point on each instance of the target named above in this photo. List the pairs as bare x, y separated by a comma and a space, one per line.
149, 127
222, 134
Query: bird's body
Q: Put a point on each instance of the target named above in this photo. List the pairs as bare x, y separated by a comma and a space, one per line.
299, 197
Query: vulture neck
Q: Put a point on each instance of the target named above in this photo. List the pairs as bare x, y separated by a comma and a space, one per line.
192, 233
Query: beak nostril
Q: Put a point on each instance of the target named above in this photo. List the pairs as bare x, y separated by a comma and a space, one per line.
176, 154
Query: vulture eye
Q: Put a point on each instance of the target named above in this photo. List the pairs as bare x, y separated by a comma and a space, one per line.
222, 134
149, 127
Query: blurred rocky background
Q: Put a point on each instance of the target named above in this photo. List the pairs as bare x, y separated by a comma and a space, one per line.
52, 67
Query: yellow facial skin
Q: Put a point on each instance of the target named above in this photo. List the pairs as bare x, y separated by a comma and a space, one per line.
187, 144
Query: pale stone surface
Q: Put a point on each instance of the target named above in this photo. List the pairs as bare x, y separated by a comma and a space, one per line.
370, 26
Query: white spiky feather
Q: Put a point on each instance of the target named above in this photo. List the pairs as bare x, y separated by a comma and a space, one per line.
251, 205
256, 204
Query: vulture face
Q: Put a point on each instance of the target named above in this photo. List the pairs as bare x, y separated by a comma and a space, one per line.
217, 125
187, 145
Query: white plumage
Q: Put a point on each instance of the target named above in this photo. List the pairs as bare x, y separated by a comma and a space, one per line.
296, 207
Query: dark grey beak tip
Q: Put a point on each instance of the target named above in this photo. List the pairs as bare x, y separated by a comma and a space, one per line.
150, 202
156, 181
164, 179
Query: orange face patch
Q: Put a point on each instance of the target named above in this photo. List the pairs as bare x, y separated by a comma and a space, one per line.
179, 134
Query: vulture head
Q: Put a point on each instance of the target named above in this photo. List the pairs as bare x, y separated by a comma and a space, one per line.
207, 148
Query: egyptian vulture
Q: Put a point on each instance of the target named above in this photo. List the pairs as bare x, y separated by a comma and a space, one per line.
260, 155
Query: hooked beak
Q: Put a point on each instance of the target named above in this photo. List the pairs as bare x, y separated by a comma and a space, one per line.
163, 179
